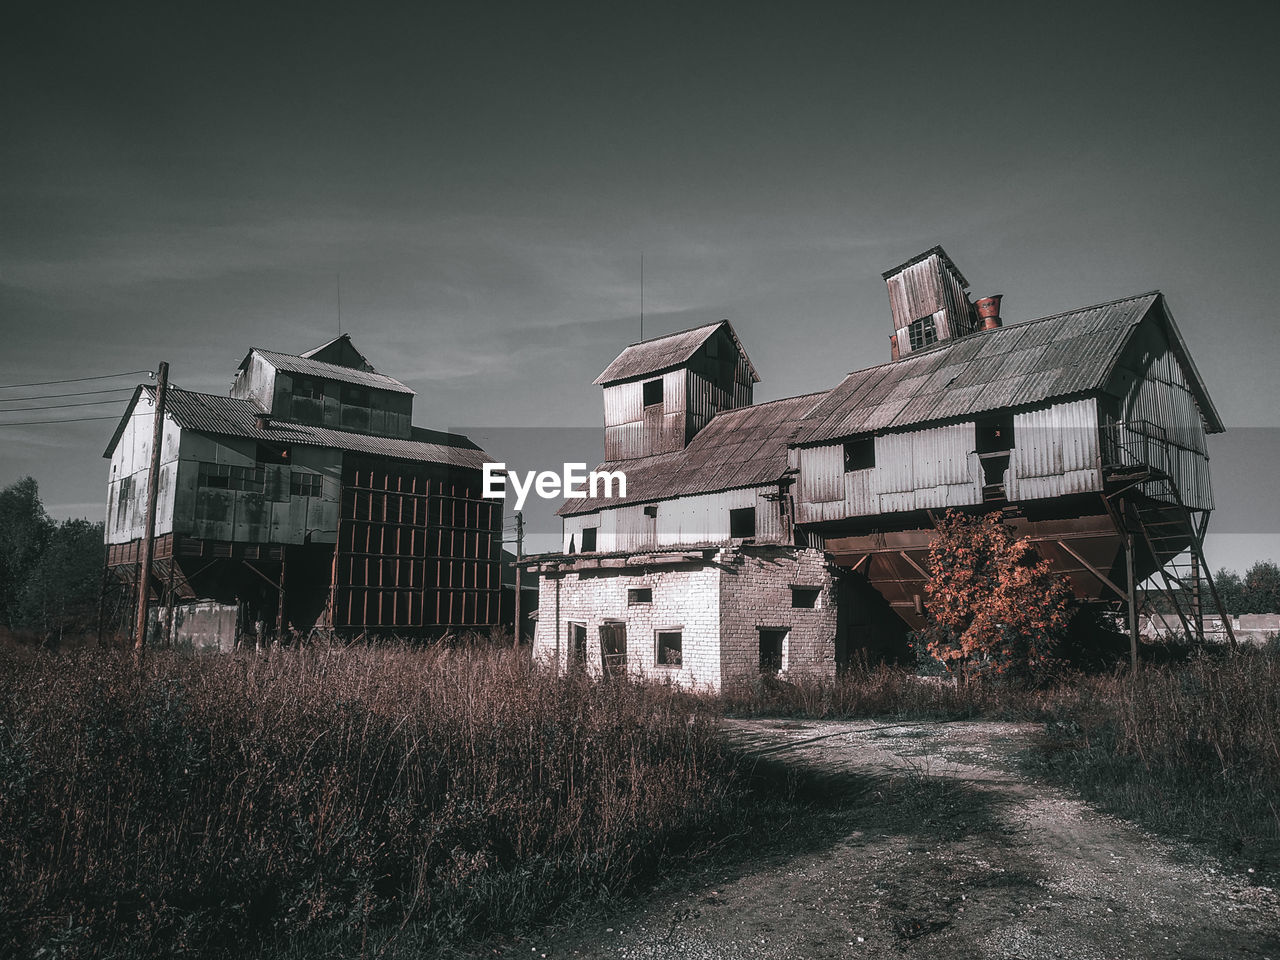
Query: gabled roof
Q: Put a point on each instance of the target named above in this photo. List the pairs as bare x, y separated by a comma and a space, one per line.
746, 447
329, 371
232, 417
662, 353
1017, 365
339, 345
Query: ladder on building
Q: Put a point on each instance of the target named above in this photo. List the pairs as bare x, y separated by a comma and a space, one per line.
1144, 500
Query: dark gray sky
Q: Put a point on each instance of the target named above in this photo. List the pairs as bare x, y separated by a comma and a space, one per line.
186, 181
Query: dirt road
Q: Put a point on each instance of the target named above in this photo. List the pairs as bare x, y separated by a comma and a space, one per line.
941, 848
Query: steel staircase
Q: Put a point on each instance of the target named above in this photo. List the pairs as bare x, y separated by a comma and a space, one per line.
1143, 499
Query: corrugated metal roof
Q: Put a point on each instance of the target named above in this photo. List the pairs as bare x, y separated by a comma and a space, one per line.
330, 371
232, 417
663, 353
746, 447
1010, 366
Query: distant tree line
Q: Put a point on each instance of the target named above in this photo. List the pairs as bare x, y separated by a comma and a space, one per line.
50, 572
1258, 591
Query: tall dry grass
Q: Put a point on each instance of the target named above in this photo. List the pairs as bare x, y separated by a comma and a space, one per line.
209, 805
1191, 750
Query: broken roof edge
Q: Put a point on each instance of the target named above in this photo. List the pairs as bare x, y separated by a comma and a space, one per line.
605, 380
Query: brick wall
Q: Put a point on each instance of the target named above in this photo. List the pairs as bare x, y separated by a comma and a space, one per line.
756, 593
685, 598
719, 606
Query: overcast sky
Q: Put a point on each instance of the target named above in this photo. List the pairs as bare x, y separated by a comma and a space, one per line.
185, 182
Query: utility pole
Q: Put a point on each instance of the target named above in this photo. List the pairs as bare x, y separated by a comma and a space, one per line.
153, 487
519, 565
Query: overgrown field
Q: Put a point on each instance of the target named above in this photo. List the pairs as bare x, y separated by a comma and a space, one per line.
1191, 750
225, 805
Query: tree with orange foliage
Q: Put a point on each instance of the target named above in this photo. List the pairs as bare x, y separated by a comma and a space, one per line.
996, 608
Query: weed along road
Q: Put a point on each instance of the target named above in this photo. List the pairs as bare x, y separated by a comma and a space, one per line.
927, 840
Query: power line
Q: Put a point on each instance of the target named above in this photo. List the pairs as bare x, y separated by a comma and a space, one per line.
35, 423
46, 383
64, 406
51, 396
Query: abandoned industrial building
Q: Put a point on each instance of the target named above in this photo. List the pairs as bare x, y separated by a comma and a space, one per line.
791, 535
304, 498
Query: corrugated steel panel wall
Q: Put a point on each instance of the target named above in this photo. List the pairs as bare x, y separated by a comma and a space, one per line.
1055, 451
1161, 395
126, 517
685, 520
917, 470
632, 431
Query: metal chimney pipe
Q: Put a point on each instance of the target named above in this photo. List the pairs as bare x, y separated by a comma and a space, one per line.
893, 347
989, 311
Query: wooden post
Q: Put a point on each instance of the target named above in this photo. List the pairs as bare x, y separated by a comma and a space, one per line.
1197, 608
284, 556
148, 535
1133, 598
519, 559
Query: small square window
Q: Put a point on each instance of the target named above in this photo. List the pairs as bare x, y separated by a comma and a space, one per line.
640, 595
588, 539
670, 652
651, 511
860, 454
742, 523
922, 332
652, 393
805, 597
306, 485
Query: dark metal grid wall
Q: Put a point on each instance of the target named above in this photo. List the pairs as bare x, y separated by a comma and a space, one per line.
416, 551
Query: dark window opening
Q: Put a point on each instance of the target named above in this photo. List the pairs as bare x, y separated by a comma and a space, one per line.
860, 454
670, 652
640, 595
355, 396
267, 453
588, 539
922, 332
805, 597
306, 484
651, 511
307, 388
652, 393
995, 433
742, 523
224, 476
771, 641
577, 646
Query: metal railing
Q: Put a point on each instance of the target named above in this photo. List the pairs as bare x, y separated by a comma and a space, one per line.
1134, 443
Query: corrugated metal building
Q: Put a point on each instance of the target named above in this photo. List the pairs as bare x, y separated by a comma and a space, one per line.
1086, 429
305, 498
